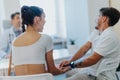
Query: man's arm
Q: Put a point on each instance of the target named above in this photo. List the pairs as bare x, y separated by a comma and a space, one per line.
93, 59
82, 51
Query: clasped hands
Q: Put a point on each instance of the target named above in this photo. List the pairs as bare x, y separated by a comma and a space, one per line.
64, 66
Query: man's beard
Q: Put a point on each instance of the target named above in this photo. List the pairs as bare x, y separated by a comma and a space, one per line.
96, 27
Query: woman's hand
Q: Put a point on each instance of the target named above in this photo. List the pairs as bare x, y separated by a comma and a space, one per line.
64, 63
62, 66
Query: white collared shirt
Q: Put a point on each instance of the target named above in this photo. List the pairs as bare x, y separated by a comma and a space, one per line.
6, 41
107, 45
5, 46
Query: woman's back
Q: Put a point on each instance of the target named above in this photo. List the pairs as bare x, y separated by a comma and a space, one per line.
29, 52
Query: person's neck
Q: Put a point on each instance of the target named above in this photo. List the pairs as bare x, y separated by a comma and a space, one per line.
16, 27
102, 27
30, 28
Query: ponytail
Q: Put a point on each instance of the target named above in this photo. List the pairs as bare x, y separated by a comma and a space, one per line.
23, 27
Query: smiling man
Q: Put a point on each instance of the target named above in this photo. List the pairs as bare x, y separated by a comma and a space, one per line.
10, 34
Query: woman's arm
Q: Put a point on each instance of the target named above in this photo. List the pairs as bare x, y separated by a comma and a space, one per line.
51, 65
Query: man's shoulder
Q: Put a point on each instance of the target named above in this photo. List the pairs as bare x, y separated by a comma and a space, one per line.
8, 30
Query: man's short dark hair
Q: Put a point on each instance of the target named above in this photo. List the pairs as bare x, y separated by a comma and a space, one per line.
14, 14
112, 13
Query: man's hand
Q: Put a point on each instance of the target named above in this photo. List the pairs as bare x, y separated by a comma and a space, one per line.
66, 68
63, 67
64, 63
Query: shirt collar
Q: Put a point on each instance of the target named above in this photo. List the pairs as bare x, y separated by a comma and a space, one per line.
17, 32
107, 30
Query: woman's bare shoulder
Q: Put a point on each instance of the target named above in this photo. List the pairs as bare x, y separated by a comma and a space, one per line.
26, 39
19, 40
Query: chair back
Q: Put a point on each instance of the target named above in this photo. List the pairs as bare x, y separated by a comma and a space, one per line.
45, 76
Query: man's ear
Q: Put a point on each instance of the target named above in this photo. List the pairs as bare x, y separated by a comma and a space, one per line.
104, 19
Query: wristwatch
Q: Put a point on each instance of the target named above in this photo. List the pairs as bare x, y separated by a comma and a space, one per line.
72, 64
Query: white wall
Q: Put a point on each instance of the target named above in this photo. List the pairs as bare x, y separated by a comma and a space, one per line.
11, 7
94, 6
1, 15
76, 12
7, 8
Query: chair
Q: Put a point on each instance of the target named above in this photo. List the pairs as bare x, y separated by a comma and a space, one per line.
118, 72
45, 76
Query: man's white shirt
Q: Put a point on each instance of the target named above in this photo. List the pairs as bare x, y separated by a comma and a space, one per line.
107, 45
5, 46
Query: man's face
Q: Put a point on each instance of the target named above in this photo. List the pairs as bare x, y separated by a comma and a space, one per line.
99, 21
16, 22
102, 22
